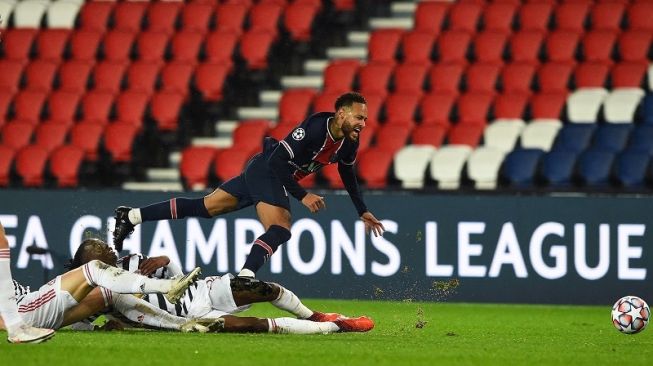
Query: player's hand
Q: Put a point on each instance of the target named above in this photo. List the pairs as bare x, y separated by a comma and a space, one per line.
150, 265
372, 224
313, 202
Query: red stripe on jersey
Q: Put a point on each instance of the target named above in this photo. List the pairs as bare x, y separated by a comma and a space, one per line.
173, 208
330, 147
88, 275
35, 304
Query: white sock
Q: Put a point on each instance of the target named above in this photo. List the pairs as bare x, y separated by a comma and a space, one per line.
142, 312
134, 216
118, 280
8, 307
246, 273
289, 302
299, 326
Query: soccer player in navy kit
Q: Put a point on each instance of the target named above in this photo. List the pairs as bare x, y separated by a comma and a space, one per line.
270, 176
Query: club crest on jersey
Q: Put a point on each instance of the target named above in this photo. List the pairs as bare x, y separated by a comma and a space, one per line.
298, 134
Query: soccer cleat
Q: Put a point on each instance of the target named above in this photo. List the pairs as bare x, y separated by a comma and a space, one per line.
123, 227
181, 285
324, 317
29, 334
360, 324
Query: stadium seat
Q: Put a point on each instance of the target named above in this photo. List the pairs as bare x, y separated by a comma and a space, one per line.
339, 76
519, 169
230, 162
400, 109
452, 46
547, 105
264, 17
463, 16
435, 109
510, 105
151, 46
481, 78
646, 110
373, 78
410, 164
583, 105
489, 47
639, 15
503, 134
382, 45
325, 102
62, 107
128, 16
131, 106
117, 45
6, 8
176, 77
39, 75
430, 15
391, 138
598, 45
373, 166
107, 76
119, 141
84, 44
17, 134
10, 71
641, 139
196, 16
50, 43
553, 77
629, 74
209, 80
254, 49
473, 107
561, 46
62, 14
408, 78
141, 76
634, 45
294, 105
621, 104
162, 16
574, 137
483, 167
28, 13
28, 105
594, 167
465, 134
630, 168
298, 20
591, 75
87, 136
6, 159
65, 163
96, 106
94, 15
611, 137
165, 109
534, 16
50, 135
195, 165
17, 43
231, 16
447, 165
219, 47
281, 130
445, 78
30, 165
5, 101
557, 168
571, 16
249, 134
185, 46
525, 46
425, 134
498, 16
540, 134
517, 77
607, 15
374, 103
417, 47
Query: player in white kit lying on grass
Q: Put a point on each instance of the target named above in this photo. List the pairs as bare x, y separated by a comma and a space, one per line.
57, 303
212, 301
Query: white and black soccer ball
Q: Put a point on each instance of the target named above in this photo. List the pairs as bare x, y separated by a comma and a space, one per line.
630, 314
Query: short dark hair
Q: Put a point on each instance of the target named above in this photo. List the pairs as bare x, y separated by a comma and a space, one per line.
347, 99
86, 252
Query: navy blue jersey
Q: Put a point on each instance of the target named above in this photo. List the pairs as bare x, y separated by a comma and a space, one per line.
311, 146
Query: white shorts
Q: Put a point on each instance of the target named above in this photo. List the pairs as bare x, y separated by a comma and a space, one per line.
45, 308
214, 298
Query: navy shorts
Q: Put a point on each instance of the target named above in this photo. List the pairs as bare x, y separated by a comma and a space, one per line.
257, 183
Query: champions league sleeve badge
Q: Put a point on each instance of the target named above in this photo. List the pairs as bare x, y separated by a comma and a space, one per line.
298, 134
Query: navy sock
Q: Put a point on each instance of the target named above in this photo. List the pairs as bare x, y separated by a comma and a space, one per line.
176, 208
265, 246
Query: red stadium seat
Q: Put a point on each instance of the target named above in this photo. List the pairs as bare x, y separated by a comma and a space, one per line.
119, 141
5, 101
445, 78
87, 137
510, 105
185, 46
639, 15
428, 135
547, 105
482, 77
161, 16
281, 130
131, 106
17, 134
141, 76
339, 75
591, 75
195, 164
28, 105
417, 47
94, 15
408, 78
571, 16
10, 71
463, 16
534, 16
264, 17
209, 80
117, 44
230, 163
50, 135
561, 46
196, 16
634, 45
382, 45
498, 16
488, 47
176, 76
39, 75
373, 78
249, 134
392, 137
84, 45
517, 77
50, 44
96, 106
230, 17
128, 16
554, 77
219, 46
62, 107
452, 46
17, 43
628, 74
331, 175
374, 104
30, 165
465, 134
6, 159
400, 109
598, 45
474, 107
254, 49
324, 102
366, 137
107, 76
607, 15
435, 108
298, 20
65, 162
373, 166
165, 109
73, 76
151, 46
294, 105
430, 15
525, 46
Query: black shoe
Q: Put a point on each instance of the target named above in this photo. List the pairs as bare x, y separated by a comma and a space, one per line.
123, 228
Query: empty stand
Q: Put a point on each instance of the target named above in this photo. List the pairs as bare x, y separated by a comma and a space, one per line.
519, 168
65, 163
195, 165
630, 168
503, 134
373, 166
583, 104
447, 165
411, 163
483, 167
540, 134
621, 104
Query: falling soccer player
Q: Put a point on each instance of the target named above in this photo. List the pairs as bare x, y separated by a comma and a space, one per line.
323, 138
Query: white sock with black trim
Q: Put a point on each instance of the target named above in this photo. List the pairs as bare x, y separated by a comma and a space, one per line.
289, 302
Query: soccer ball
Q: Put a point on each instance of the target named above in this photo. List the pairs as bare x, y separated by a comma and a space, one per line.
630, 314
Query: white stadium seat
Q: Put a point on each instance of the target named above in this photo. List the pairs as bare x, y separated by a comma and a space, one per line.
583, 105
6, 7
62, 14
28, 13
621, 104
447, 164
483, 166
410, 164
503, 134
540, 134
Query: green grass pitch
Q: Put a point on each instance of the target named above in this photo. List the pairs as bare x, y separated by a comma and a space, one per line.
452, 334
